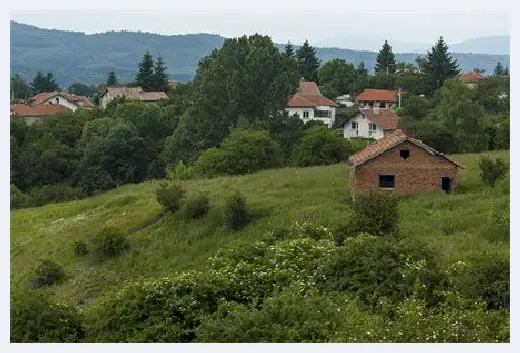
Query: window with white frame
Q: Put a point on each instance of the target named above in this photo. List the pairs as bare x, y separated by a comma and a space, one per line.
372, 127
354, 125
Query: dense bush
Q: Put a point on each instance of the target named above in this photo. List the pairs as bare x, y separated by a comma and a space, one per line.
197, 206
170, 196
80, 248
373, 268
54, 193
320, 146
237, 211
492, 171
242, 152
37, 319
47, 274
19, 199
181, 172
109, 242
376, 213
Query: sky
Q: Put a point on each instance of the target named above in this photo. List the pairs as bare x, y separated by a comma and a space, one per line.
356, 31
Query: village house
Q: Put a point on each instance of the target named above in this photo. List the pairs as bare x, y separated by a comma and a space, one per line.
401, 165
67, 100
378, 98
470, 79
172, 84
32, 113
373, 123
134, 93
345, 100
309, 104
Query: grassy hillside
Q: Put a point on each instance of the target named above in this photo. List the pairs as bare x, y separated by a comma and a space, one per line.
77, 57
453, 224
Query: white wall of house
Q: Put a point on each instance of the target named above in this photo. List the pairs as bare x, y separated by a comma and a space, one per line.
307, 114
345, 102
376, 104
360, 126
103, 101
62, 101
29, 120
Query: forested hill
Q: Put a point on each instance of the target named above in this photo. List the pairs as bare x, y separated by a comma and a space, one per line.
77, 57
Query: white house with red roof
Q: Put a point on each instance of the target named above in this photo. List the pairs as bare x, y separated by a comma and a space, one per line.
470, 79
372, 123
309, 104
67, 100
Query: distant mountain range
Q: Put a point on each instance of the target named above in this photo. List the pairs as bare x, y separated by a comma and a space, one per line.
77, 57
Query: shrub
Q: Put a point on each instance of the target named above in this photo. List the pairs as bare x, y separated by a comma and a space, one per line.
80, 248
319, 146
197, 206
35, 318
180, 172
376, 213
373, 267
109, 242
54, 193
19, 199
170, 196
242, 152
47, 274
492, 171
343, 231
237, 213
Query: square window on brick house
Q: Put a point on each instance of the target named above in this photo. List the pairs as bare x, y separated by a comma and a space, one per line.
387, 181
404, 154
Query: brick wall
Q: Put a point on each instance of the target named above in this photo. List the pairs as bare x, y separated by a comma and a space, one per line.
420, 172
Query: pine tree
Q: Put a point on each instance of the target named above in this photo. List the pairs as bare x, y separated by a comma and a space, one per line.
506, 71
439, 66
361, 69
479, 71
289, 50
499, 69
385, 61
145, 75
111, 79
43, 83
160, 75
308, 62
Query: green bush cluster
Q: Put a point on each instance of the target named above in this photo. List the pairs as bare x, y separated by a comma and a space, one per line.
170, 196
320, 146
47, 273
197, 206
376, 213
492, 171
237, 212
109, 242
80, 248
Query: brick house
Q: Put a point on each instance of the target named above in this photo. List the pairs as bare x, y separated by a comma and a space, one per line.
402, 165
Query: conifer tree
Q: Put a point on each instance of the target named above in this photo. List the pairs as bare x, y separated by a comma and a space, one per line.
361, 69
385, 61
439, 66
111, 79
308, 62
289, 50
145, 75
499, 69
160, 75
506, 71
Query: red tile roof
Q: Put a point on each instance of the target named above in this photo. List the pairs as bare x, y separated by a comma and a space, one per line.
387, 142
172, 84
26, 110
78, 100
309, 95
471, 77
381, 95
384, 118
135, 93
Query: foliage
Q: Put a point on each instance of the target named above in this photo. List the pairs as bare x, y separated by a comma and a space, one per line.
492, 170
319, 146
170, 196
414, 106
145, 74
109, 242
337, 77
18, 198
308, 62
439, 66
111, 79
289, 50
242, 152
197, 206
43, 83
361, 69
35, 318
237, 211
19, 89
376, 213
160, 75
46, 194
47, 274
385, 61
80, 248
181, 172
81, 89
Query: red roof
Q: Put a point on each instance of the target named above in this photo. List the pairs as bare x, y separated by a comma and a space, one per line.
135, 93
172, 84
79, 100
471, 77
309, 95
26, 110
380, 95
385, 118
387, 142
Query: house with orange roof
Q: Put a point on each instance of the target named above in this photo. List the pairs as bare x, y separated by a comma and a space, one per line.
67, 100
132, 93
378, 98
372, 123
471, 79
309, 104
401, 165
33, 113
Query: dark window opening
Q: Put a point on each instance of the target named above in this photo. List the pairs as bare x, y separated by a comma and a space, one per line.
387, 181
446, 184
404, 154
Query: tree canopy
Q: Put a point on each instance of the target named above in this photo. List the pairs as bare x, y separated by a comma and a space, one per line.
385, 60
308, 62
438, 66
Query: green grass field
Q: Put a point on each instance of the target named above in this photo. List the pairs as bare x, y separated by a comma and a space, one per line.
455, 225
